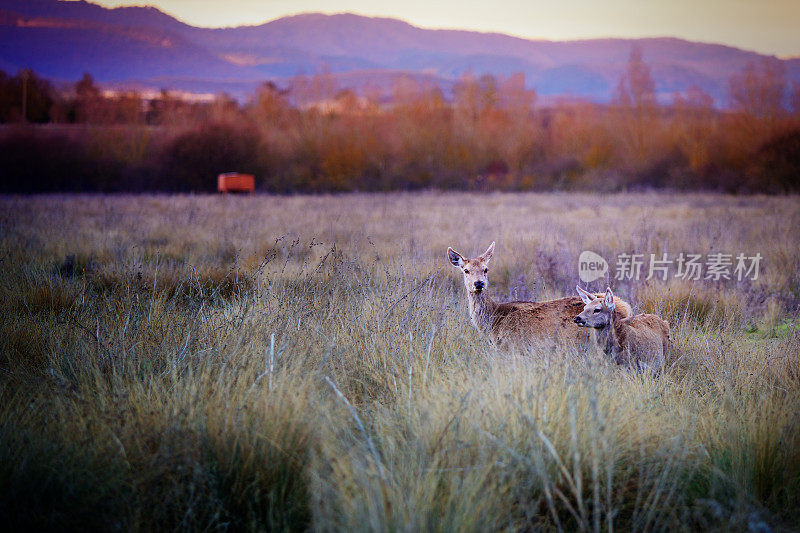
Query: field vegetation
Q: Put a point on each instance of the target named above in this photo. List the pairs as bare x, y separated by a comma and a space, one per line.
306, 362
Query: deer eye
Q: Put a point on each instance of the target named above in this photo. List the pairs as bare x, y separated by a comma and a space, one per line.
466, 271
597, 310
485, 270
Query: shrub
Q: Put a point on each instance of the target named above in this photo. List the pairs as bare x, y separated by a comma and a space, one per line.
192, 160
33, 162
776, 165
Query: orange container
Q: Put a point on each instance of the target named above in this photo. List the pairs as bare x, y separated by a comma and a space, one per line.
235, 182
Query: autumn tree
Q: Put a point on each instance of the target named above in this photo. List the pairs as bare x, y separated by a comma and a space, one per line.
313, 91
172, 111
277, 123
759, 90
25, 97
757, 97
693, 126
419, 134
475, 119
636, 97
795, 99
475, 96
88, 100
520, 136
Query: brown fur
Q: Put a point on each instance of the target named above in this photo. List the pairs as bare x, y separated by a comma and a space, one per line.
521, 322
518, 323
639, 341
642, 339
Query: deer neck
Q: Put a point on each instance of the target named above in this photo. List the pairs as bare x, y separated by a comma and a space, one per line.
608, 338
482, 311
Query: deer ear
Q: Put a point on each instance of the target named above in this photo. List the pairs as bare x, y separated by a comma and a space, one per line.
609, 301
488, 253
454, 257
585, 296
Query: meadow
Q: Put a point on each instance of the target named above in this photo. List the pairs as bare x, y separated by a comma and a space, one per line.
307, 363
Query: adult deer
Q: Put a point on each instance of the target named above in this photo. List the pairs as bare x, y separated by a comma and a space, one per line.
517, 323
639, 341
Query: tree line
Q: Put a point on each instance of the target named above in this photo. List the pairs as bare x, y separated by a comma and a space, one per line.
489, 134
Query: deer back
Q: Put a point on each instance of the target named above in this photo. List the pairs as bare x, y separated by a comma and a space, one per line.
643, 339
551, 319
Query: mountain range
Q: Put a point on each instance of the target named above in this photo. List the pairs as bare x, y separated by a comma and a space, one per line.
146, 48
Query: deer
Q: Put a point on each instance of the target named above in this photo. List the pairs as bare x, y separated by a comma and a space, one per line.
639, 341
517, 323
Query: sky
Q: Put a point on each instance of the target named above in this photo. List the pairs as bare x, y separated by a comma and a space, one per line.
766, 26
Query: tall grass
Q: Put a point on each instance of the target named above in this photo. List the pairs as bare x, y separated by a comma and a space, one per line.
307, 363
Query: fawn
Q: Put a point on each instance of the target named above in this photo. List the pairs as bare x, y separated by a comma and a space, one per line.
639, 341
515, 323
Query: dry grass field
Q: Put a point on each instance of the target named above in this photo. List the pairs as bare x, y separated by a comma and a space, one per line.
307, 362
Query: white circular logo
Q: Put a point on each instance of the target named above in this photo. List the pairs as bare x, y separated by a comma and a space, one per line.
591, 266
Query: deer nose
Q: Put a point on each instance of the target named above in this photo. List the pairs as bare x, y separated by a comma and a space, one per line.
479, 285
578, 320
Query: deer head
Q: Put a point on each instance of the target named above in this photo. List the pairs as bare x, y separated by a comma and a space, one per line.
474, 270
596, 310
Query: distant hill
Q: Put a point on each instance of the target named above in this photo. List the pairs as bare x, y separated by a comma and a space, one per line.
145, 46
63, 48
149, 17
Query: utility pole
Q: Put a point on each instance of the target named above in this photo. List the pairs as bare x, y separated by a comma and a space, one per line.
24, 96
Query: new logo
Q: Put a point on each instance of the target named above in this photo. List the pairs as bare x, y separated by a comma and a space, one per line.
591, 266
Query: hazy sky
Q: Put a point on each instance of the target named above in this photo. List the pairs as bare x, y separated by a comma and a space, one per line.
767, 26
